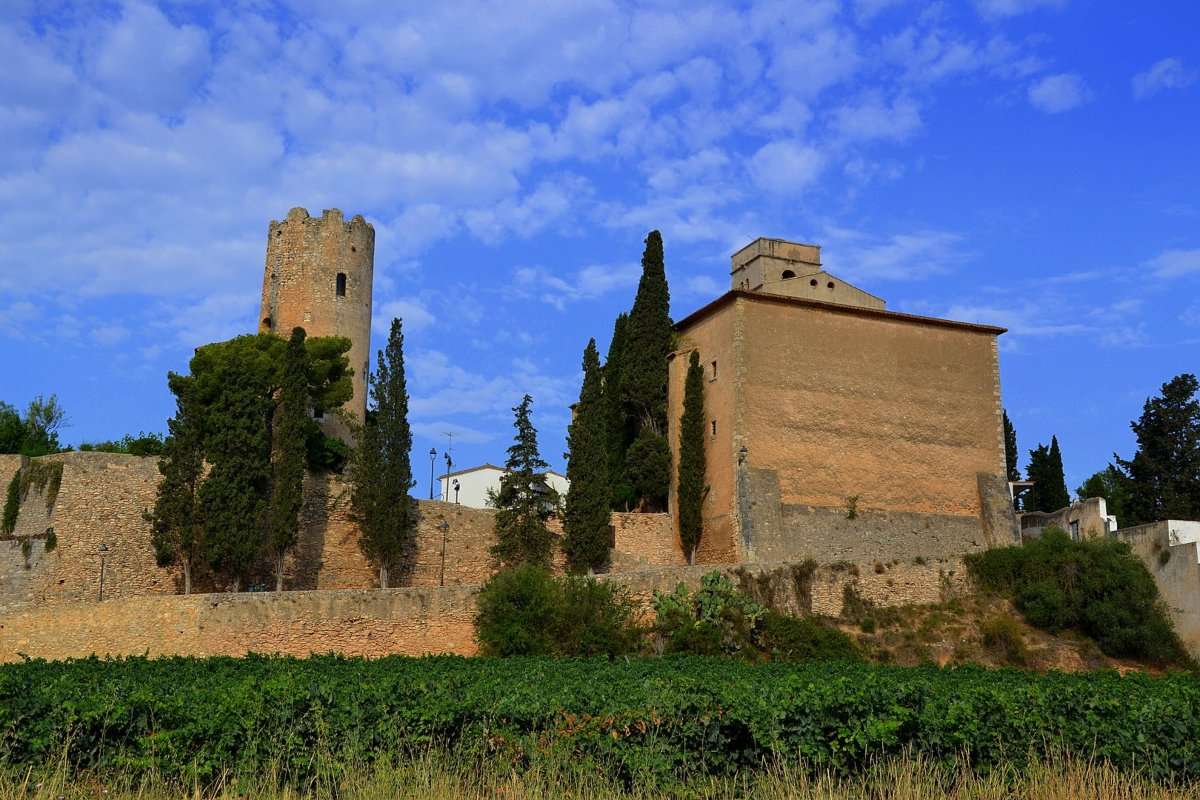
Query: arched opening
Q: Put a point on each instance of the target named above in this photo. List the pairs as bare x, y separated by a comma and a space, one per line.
341, 284
829, 285
813, 282
267, 323
787, 273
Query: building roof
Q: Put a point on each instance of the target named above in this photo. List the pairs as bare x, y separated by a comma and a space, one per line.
766, 297
489, 465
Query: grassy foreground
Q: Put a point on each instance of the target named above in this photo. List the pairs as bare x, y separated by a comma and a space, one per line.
436, 778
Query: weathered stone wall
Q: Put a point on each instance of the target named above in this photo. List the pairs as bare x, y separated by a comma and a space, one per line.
304, 257
397, 621
1175, 566
647, 539
9, 464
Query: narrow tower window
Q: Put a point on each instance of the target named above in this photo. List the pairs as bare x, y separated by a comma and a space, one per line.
714, 427
341, 284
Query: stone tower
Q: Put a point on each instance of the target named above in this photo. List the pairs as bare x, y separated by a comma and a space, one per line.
318, 277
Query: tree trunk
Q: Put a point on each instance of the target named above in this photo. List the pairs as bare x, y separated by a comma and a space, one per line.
279, 572
692, 556
187, 576
383, 576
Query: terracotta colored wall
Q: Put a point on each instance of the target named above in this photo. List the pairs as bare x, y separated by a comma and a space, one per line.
716, 338
385, 621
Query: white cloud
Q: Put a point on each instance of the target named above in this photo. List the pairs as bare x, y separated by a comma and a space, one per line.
413, 313
110, 334
1028, 319
704, 285
1168, 73
150, 63
905, 256
1057, 93
587, 283
1175, 263
874, 118
1011, 8
1191, 315
786, 166
16, 319
809, 65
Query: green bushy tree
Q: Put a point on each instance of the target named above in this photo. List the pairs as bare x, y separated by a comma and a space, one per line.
381, 470
288, 451
691, 486
177, 528
1110, 484
1163, 477
586, 521
143, 444
1096, 586
525, 501
12, 429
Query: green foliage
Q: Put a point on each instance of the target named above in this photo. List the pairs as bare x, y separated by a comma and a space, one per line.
527, 611
1096, 586
525, 501
648, 342
1010, 449
1110, 484
1002, 635
43, 418
805, 638
381, 470
1049, 491
12, 429
176, 524
12, 505
586, 521
648, 468
323, 452
144, 444
691, 459
51, 540
288, 451
658, 721
620, 429
1163, 477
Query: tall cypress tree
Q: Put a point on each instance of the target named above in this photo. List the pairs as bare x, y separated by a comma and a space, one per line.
381, 471
691, 459
1010, 449
1163, 477
1049, 492
648, 342
1056, 494
618, 428
524, 501
289, 427
586, 521
177, 528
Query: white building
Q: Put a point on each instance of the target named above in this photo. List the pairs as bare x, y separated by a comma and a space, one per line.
469, 487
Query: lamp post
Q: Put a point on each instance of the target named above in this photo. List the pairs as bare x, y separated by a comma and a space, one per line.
444, 528
449, 466
103, 563
456, 491
432, 461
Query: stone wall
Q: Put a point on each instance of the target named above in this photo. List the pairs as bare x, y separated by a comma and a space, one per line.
647, 539
411, 621
1174, 561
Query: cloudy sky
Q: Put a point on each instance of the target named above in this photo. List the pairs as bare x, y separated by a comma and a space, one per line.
1030, 163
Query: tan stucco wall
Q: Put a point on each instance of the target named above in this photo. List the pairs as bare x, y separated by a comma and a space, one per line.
715, 337
1177, 575
377, 622
901, 414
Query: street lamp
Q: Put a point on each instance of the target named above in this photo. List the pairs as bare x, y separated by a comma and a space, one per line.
456, 491
103, 562
449, 465
432, 461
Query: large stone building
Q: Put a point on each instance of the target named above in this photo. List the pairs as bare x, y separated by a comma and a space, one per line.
838, 429
318, 276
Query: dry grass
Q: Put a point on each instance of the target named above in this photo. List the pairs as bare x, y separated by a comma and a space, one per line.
433, 778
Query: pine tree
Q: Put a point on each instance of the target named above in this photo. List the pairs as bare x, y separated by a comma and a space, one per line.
524, 501
1010, 449
381, 470
1163, 477
586, 521
288, 432
177, 528
648, 343
619, 429
691, 459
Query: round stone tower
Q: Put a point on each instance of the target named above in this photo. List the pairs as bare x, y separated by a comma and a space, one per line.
318, 277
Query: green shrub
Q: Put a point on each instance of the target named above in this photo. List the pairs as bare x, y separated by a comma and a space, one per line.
1002, 636
527, 611
653, 720
1095, 586
803, 638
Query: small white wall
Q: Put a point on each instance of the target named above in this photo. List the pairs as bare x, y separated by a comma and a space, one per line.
473, 486
1181, 531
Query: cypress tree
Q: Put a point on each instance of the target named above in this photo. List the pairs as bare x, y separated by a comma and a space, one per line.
1049, 492
381, 471
691, 459
648, 343
524, 501
1056, 494
177, 527
1010, 449
618, 428
648, 465
586, 521
289, 425
1163, 477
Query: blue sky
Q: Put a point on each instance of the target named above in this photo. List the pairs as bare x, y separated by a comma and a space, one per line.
1029, 163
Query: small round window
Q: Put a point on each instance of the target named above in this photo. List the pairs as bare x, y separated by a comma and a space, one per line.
813, 282
830, 284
